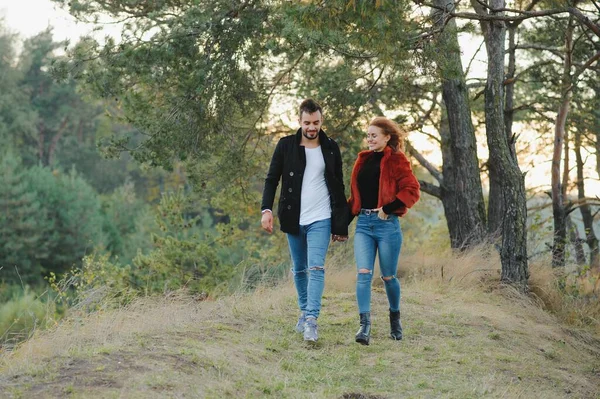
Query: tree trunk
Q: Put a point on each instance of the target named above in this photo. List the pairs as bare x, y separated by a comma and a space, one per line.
55, 139
509, 113
558, 207
569, 225
576, 241
462, 194
585, 209
596, 124
507, 208
41, 143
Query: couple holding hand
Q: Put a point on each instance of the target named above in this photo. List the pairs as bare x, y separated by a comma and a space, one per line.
313, 206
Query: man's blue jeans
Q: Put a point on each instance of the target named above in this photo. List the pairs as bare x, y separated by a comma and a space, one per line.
308, 250
384, 237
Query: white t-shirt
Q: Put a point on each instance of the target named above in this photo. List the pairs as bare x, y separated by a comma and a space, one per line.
315, 204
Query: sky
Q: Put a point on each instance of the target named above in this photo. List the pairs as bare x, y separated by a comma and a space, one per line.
29, 17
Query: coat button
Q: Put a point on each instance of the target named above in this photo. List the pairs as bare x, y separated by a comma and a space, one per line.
289, 207
291, 173
290, 189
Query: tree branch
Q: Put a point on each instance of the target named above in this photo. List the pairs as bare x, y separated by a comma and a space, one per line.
473, 58
529, 68
585, 66
585, 20
552, 50
431, 189
482, 15
425, 163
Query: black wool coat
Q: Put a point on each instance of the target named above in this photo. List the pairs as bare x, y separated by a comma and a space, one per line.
288, 164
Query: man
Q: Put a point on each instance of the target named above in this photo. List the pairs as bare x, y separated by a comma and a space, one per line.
312, 206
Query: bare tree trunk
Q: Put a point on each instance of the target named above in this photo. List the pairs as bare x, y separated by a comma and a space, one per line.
462, 194
596, 124
509, 113
507, 207
41, 143
80, 132
585, 209
509, 83
55, 140
571, 227
576, 241
558, 206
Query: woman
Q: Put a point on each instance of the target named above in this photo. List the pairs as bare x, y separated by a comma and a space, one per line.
382, 188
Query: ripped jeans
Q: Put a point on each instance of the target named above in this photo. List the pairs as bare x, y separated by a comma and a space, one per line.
308, 250
383, 237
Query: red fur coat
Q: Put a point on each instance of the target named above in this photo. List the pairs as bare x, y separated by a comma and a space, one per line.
396, 180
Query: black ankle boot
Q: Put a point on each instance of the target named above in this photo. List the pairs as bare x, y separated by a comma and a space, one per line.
364, 332
395, 325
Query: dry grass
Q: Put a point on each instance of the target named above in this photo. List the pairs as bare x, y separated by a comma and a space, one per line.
566, 295
466, 337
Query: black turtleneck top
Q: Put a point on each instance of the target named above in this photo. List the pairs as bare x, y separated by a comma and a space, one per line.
368, 185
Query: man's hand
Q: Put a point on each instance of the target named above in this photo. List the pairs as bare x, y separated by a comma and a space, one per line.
335, 237
267, 221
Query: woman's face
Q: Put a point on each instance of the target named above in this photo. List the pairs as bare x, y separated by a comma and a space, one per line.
376, 138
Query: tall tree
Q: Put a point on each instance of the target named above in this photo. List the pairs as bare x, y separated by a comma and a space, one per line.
585, 207
17, 118
558, 190
562, 48
24, 225
197, 78
461, 192
59, 108
507, 212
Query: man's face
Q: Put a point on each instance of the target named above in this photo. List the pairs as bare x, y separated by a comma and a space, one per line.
311, 124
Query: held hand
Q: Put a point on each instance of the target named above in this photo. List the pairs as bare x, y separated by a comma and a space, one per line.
267, 222
381, 214
335, 237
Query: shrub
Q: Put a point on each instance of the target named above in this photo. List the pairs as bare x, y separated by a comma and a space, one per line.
22, 316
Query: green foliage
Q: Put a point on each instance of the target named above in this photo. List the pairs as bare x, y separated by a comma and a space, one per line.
50, 221
202, 71
181, 256
97, 284
123, 212
199, 86
21, 316
59, 109
73, 208
25, 227
17, 119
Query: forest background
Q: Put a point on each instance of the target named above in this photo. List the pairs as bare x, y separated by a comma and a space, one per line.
134, 166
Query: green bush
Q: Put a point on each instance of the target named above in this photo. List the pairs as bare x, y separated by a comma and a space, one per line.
128, 224
21, 316
183, 252
24, 225
97, 284
73, 208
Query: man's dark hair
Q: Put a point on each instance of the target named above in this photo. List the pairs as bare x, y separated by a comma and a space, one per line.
309, 106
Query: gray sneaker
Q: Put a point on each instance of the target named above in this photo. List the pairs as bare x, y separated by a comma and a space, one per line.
301, 321
310, 330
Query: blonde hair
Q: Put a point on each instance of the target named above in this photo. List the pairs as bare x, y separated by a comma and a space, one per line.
391, 128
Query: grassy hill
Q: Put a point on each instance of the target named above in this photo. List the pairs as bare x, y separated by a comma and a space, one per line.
465, 337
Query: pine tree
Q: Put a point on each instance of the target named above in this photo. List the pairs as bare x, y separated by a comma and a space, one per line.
24, 225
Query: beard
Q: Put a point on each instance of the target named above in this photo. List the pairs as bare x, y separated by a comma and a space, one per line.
306, 134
